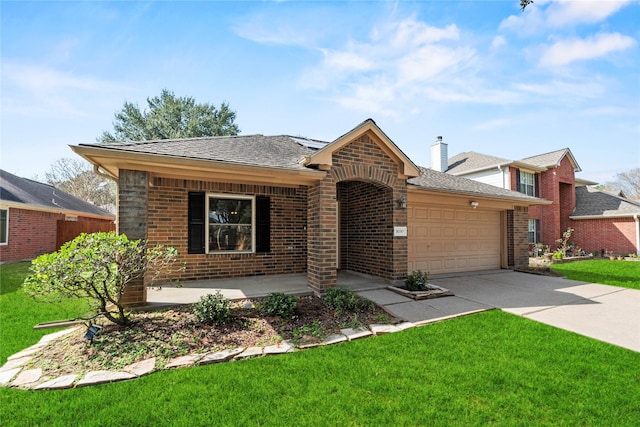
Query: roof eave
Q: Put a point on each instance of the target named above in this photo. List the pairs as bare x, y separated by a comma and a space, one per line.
49, 209
528, 202
624, 215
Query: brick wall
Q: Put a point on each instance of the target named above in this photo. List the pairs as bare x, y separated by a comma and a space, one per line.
614, 234
31, 233
168, 225
517, 237
363, 161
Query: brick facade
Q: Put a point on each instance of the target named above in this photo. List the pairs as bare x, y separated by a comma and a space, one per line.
356, 168
615, 234
168, 225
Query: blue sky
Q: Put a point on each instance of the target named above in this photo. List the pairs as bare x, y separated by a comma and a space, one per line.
482, 74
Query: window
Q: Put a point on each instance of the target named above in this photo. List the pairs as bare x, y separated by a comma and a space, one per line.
221, 223
4, 226
534, 231
230, 223
526, 184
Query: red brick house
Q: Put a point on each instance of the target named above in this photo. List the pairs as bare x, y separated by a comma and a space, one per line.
36, 218
258, 205
601, 221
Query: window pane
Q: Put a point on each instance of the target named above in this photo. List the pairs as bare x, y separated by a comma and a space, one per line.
229, 237
3, 226
229, 211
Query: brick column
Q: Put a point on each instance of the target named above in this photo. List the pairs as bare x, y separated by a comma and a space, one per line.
400, 250
322, 236
517, 237
132, 221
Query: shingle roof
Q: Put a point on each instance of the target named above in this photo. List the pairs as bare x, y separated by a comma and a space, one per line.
591, 202
281, 151
548, 159
470, 160
28, 192
445, 182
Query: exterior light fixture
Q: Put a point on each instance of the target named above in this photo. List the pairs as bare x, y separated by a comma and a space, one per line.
402, 203
474, 204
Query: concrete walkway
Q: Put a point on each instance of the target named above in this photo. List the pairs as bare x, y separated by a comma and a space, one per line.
606, 313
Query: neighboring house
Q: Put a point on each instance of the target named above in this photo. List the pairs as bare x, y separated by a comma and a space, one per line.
256, 205
36, 218
601, 221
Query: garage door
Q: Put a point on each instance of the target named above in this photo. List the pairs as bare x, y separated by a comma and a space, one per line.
448, 240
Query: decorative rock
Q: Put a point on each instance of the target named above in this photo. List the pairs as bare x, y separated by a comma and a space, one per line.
54, 336
405, 325
383, 329
30, 351
141, 368
27, 377
249, 352
100, 377
15, 363
282, 347
308, 341
65, 381
220, 356
7, 374
354, 334
187, 360
334, 339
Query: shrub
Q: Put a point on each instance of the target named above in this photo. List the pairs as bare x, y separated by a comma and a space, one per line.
98, 267
279, 304
213, 309
416, 281
344, 299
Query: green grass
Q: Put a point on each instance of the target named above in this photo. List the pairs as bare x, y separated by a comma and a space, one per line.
19, 313
488, 368
625, 274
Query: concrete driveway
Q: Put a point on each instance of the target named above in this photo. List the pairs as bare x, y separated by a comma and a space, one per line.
606, 313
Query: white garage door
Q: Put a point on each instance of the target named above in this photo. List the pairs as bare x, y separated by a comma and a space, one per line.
448, 240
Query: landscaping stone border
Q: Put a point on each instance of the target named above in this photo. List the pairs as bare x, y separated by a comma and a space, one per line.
13, 374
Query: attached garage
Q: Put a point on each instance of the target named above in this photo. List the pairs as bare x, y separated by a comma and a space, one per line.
448, 239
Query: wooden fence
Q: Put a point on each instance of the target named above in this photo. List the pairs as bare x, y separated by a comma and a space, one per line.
69, 230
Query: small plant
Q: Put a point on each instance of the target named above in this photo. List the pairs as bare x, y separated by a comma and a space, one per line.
564, 242
344, 299
416, 281
213, 309
279, 304
558, 254
314, 329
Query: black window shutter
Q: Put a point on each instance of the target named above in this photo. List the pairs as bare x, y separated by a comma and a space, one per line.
537, 184
196, 223
538, 231
263, 224
518, 189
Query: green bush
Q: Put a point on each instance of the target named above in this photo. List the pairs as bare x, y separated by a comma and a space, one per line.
98, 267
344, 300
279, 304
416, 281
213, 309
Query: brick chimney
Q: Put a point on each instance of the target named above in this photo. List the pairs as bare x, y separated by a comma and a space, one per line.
439, 156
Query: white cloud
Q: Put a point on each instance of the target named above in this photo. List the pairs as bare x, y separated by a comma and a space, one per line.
498, 42
346, 61
567, 51
542, 15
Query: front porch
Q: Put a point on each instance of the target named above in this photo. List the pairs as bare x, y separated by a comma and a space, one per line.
253, 287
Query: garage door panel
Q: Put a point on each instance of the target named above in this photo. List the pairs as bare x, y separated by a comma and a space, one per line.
455, 240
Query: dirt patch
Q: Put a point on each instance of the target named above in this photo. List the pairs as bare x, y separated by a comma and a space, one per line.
176, 332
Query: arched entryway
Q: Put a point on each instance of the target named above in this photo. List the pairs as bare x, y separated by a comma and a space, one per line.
365, 228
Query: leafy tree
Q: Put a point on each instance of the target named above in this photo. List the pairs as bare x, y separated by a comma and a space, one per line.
627, 182
78, 178
524, 4
98, 266
168, 117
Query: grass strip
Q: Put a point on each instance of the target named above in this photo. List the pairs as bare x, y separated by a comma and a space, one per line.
625, 274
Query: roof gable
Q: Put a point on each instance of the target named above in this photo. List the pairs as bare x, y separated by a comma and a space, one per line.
22, 192
553, 159
323, 158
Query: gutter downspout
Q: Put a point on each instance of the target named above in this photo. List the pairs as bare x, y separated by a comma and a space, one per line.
503, 173
635, 218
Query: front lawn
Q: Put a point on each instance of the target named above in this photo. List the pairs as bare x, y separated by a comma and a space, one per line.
625, 274
19, 312
488, 368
